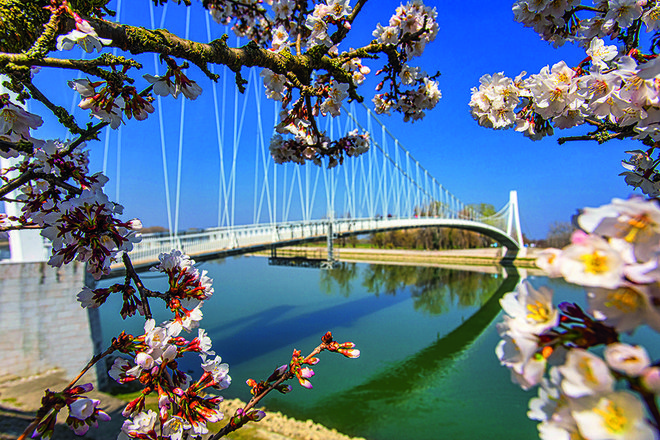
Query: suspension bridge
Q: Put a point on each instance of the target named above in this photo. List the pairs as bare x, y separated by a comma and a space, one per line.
384, 189
264, 205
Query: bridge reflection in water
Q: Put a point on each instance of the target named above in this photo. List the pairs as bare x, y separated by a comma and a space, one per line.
394, 391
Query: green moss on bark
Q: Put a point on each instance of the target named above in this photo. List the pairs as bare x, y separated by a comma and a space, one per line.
21, 23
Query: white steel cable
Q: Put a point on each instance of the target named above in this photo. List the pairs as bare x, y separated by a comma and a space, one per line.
182, 120
161, 124
260, 147
220, 133
117, 177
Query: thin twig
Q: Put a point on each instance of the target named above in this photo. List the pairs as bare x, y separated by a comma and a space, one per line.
89, 365
230, 427
144, 292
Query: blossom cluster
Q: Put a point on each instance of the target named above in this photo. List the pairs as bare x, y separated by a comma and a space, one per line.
411, 103
183, 406
67, 202
188, 289
411, 28
303, 148
59, 160
411, 90
83, 411
413, 19
15, 125
83, 35
110, 104
558, 22
614, 89
85, 228
615, 257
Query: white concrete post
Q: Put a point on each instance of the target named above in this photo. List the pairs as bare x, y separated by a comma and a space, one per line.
25, 245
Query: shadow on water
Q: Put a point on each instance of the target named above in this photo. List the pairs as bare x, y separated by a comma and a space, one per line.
415, 372
290, 330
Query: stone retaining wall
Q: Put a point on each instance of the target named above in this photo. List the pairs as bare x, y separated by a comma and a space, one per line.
42, 325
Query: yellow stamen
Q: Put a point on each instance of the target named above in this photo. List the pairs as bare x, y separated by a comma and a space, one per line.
637, 226
595, 263
556, 94
585, 366
537, 312
613, 418
624, 299
9, 116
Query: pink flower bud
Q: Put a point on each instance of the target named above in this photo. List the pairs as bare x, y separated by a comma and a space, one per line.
135, 224
144, 360
87, 103
352, 353
304, 382
255, 416
306, 372
82, 409
651, 379
579, 237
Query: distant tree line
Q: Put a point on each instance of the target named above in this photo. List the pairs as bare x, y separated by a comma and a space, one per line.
437, 238
430, 239
559, 235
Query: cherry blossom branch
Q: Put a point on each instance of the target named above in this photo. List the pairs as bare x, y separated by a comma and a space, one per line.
599, 135
20, 227
31, 175
91, 363
53, 180
23, 147
62, 115
87, 66
342, 31
30, 428
16, 183
232, 426
42, 45
144, 292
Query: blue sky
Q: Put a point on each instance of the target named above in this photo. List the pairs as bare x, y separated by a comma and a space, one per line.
474, 163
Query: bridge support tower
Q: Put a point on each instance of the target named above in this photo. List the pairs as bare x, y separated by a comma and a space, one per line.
330, 262
513, 228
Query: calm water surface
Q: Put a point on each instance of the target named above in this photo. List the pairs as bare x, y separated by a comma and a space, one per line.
427, 337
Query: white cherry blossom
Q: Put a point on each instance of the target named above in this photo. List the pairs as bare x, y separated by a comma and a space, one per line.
618, 415
585, 374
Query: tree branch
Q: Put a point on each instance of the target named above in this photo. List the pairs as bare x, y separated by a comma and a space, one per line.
144, 292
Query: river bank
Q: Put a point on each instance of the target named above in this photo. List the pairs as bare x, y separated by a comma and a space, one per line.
466, 257
20, 399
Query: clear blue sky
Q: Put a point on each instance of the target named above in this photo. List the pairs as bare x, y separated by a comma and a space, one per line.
474, 163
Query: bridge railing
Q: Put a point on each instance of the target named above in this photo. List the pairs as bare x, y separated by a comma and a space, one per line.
254, 237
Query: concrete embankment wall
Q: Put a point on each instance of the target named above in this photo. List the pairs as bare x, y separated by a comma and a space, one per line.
42, 325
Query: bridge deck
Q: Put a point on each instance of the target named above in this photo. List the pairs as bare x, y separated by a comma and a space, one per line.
224, 242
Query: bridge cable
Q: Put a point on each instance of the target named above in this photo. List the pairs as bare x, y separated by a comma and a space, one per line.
219, 130
161, 124
395, 164
372, 114
182, 120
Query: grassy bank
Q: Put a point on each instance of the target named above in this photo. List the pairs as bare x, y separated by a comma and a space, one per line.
474, 257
